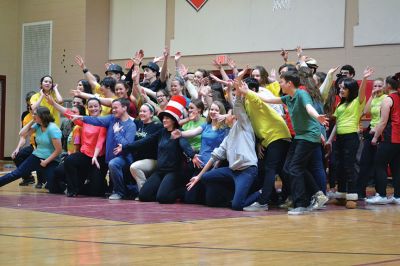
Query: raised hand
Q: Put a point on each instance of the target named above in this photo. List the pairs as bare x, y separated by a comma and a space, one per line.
284, 54
368, 72
333, 70
183, 70
177, 56
299, 51
117, 127
231, 63
217, 64
80, 62
139, 55
107, 65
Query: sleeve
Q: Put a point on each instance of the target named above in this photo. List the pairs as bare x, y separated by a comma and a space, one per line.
149, 140
240, 113
186, 148
77, 135
54, 132
220, 152
305, 98
102, 121
253, 98
285, 98
101, 139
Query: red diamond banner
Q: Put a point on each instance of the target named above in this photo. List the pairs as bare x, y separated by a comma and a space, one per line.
197, 4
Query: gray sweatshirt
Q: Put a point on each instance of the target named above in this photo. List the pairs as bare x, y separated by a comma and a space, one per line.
238, 148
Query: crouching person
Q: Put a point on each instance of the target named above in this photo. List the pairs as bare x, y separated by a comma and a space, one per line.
233, 183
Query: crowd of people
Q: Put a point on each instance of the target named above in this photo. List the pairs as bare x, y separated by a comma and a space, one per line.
220, 140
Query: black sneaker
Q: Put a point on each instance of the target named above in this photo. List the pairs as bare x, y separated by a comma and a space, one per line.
27, 181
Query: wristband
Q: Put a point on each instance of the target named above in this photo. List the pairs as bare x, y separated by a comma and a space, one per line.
85, 70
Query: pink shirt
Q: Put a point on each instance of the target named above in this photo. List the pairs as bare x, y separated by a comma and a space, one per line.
92, 137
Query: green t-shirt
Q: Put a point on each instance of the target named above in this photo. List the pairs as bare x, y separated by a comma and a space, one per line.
195, 142
348, 116
376, 110
305, 126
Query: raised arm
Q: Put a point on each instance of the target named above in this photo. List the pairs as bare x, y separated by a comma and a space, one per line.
57, 94
361, 93
327, 84
88, 75
164, 68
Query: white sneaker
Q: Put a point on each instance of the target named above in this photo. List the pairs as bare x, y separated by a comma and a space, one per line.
256, 207
395, 200
298, 211
318, 201
115, 196
379, 200
140, 181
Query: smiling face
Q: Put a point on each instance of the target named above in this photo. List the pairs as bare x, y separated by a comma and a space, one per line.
47, 84
94, 108
121, 91
176, 88
161, 98
145, 114
378, 87
214, 111
168, 123
117, 109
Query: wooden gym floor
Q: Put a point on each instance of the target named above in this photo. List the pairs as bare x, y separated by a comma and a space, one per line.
37, 228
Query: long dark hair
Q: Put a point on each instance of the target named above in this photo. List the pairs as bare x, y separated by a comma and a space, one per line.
352, 86
86, 86
45, 116
306, 79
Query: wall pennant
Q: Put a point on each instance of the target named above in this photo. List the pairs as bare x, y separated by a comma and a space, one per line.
197, 4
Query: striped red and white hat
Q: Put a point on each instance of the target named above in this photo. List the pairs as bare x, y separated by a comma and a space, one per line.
175, 108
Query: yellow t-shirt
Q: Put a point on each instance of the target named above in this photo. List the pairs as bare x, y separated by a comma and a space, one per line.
268, 125
53, 111
348, 116
274, 87
376, 110
105, 110
28, 118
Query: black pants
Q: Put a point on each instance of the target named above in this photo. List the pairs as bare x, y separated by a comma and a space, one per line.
387, 153
295, 167
367, 170
84, 178
346, 153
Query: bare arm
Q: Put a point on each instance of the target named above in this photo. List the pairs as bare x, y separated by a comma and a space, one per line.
56, 152
385, 112
313, 113
59, 98
361, 93
88, 75
27, 129
164, 68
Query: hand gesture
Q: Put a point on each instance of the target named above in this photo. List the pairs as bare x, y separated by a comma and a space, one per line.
220, 118
95, 162
79, 61
75, 117
217, 64
177, 56
176, 134
272, 75
197, 162
76, 93
135, 74
231, 63
299, 51
333, 70
284, 54
14, 153
117, 128
183, 70
117, 150
193, 181
323, 120
107, 65
49, 99
55, 87
139, 55
368, 72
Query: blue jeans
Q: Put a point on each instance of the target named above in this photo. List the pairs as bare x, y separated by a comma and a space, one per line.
317, 169
32, 163
223, 185
117, 168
